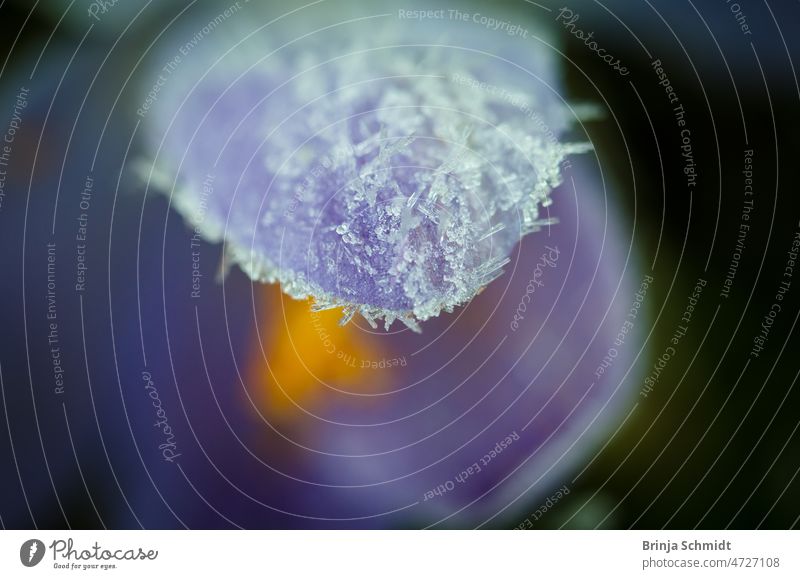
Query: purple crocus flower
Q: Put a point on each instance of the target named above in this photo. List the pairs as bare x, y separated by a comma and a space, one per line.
395, 176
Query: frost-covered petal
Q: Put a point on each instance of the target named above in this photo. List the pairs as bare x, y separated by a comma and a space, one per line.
390, 175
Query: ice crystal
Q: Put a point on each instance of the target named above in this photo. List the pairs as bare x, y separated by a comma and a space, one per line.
390, 175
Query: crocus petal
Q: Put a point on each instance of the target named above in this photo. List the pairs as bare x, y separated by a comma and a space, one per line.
389, 176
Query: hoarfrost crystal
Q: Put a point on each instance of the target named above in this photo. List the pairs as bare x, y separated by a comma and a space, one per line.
390, 175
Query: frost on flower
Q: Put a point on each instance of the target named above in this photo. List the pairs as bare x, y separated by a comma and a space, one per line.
384, 167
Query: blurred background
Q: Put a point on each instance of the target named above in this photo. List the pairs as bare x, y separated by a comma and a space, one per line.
652, 384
